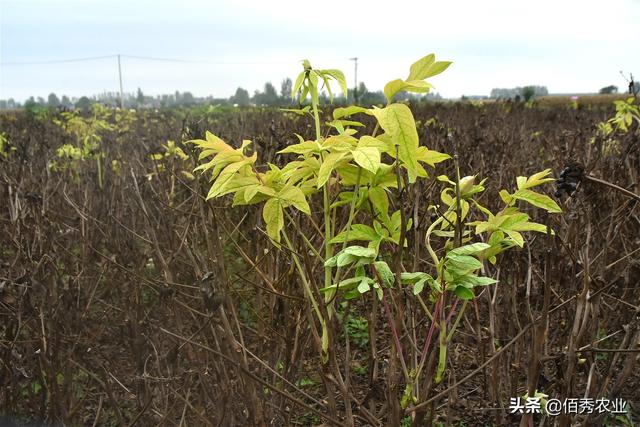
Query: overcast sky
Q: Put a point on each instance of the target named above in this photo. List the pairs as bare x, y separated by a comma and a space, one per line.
566, 45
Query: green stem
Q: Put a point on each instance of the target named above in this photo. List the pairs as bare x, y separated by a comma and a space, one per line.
458, 318
304, 236
328, 248
303, 277
352, 211
427, 241
442, 359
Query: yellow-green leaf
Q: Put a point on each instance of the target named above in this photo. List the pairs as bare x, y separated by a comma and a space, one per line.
536, 199
302, 148
293, 196
330, 162
338, 76
274, 218
225, 177
379, 200
516, 237
397, 121
420, 68
298, 85
534, 180
348, 111
427, 67
367, 157
238, 183
506, 197
393, 87
431, 157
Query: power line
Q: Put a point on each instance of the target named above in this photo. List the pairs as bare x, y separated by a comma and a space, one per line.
148, 58
57, 61
144, 58
200, 61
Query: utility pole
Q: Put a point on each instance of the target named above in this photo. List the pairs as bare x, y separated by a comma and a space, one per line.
120, 75
355, 90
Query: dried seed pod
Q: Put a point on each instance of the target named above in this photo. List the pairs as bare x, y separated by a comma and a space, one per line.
569, 179
211, 291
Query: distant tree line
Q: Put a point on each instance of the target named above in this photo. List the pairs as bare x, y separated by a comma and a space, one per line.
526, 93
269, 96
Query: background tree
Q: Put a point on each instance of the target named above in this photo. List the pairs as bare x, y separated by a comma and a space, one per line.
241, 97
528, 92
285, 90
187, 99
609, 89
83, 103
268, 97
140, 98
53, 101
66, 102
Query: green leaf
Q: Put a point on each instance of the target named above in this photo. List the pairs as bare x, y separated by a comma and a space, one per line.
385, 272
360, 252
299, 111
212, 142
302, 148
393, 87
411, 278
431, 157
351, 254
293, 196
344, 142
273, 216
483, 281
427, 67
348, 111
463, 263
357, 232
516, 237
339, 77
345, 285
536, 199
496, 238
369, 141
464, 293
328, 165
313, 86
418, 279
445, 178
506, 197
364, 287
297, 85
239, 183
531, 226
340, 124
379, 199
367, 157
226, 176
397, 121
471, 249
250, 192
420, 68
534, 180
510, 221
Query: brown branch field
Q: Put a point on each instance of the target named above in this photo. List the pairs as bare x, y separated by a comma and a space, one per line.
128, 299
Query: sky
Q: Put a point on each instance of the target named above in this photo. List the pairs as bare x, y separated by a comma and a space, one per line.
569, 46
